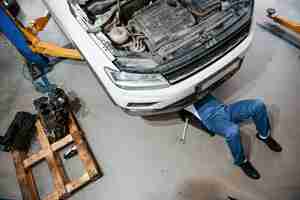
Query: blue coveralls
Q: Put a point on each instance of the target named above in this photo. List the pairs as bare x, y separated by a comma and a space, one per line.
16, 37
223, 120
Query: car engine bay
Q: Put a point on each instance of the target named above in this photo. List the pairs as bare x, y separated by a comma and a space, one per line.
145, 34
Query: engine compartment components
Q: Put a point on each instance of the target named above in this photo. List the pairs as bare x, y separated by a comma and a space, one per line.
119, 34
158, 30
137, 45
100, 7
161, 23
203, 8
55, 110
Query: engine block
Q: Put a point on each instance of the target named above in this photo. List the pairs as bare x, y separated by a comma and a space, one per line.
161, 23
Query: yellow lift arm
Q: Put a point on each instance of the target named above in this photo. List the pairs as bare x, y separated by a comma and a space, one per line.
291, 25
41, 47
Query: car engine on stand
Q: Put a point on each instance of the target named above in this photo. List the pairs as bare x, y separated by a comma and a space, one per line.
55, 111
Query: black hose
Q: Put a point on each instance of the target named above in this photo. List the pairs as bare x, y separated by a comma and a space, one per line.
99, 7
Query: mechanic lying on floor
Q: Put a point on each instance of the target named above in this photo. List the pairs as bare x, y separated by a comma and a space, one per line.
224, 120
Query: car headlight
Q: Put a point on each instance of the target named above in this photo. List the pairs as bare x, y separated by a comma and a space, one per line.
133, 81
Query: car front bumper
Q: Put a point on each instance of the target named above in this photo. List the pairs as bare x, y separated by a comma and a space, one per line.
226, 73
141, 102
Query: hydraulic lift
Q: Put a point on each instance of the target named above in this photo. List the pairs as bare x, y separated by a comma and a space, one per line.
289, 24
34, 50
280, 25
45, 48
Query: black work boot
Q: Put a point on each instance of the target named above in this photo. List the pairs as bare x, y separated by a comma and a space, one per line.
249, 170
271, 143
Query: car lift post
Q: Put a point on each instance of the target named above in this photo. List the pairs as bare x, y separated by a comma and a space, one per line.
45, 48
277, 30
289, 24
34, 50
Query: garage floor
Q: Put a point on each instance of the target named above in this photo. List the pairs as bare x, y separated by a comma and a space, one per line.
141, 158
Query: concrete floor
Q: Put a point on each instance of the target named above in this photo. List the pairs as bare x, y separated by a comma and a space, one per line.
141, 158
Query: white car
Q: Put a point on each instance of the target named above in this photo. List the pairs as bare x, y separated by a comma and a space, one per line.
158, 56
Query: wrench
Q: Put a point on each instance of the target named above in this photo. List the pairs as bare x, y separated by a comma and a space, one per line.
183, 137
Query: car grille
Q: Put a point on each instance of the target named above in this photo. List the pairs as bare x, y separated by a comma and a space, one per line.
211, 55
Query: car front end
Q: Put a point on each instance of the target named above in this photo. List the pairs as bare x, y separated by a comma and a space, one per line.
163, 55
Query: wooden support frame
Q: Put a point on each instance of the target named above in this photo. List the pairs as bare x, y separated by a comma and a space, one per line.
63, 187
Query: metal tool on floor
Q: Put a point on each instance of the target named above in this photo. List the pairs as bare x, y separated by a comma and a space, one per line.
184, 132
275, 27
70, 152
189, 119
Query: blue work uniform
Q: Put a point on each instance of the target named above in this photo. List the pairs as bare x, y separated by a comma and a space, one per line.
224, 120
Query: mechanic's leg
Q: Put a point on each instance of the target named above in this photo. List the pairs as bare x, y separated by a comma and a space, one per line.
251, 109
222, 126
